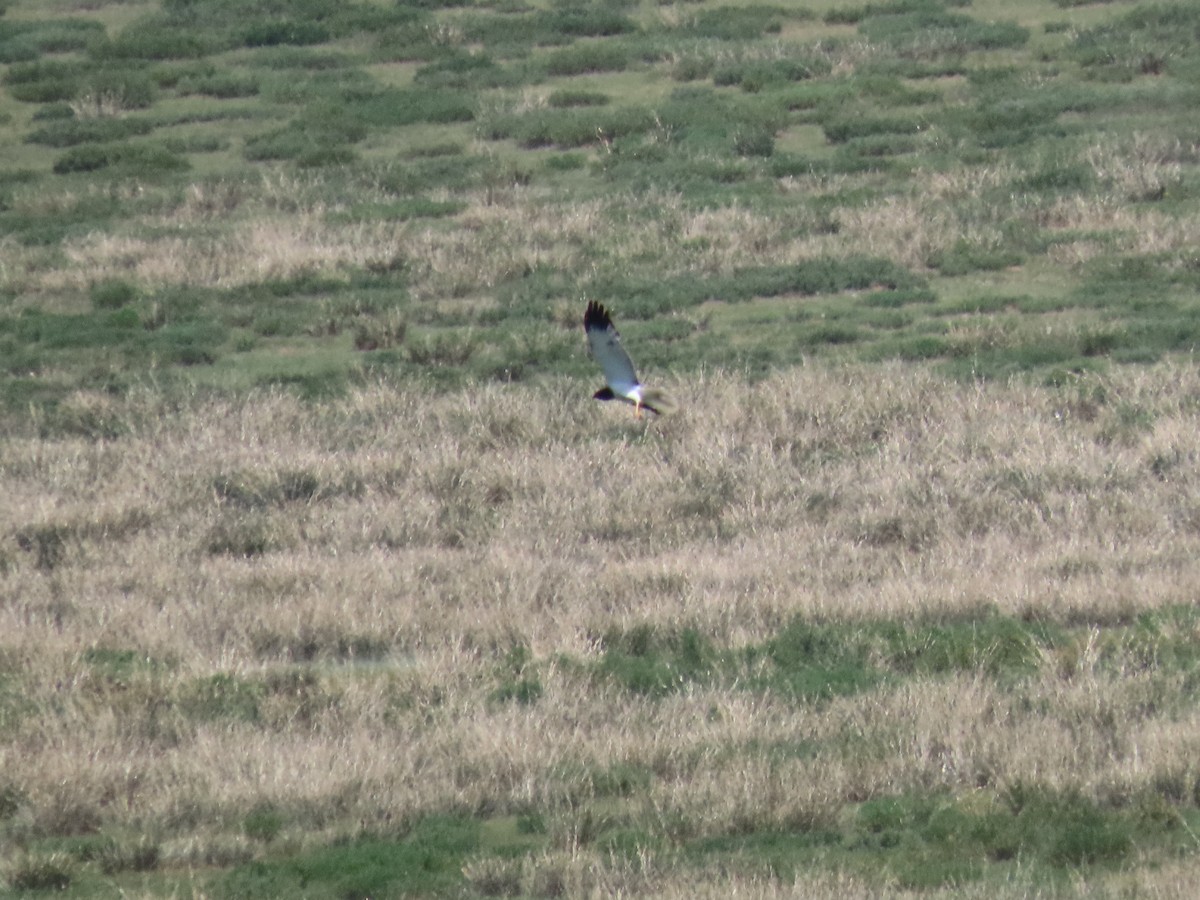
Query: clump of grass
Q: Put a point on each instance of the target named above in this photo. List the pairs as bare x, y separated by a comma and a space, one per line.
244, 535
1144, 41
140, 856
567, 98
584, 58
653, 663
156, 38
47, 543
310, 141
221, 697
44, 81
146, 158
428, 859
112, 293
40, 874
754, 142
69, 132
739, 23
518, 679
263, 823
927, 31
567, 128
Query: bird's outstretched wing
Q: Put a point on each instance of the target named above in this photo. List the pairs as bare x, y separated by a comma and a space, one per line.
605, 345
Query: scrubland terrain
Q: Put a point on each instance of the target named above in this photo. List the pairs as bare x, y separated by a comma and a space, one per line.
322, 576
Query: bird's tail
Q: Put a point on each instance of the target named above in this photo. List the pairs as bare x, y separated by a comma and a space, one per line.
659, 401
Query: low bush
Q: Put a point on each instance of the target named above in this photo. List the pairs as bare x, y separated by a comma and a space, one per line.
112, 293
143, 158
69, 132
581, 59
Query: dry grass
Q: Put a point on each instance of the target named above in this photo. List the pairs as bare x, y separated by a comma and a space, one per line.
396, 546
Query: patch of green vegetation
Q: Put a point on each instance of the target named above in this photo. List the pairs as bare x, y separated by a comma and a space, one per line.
222, 697
737, 23
144, 158
814, 661
929, 840
118, 664
518, 678
428, 860
928, 30
511, 34
568, 127
263, 823
649, 661
27, 41
1147, 40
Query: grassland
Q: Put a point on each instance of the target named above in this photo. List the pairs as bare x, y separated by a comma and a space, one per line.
321, 575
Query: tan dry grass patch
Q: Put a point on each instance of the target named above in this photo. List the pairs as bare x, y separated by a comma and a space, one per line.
1133, 229
259, 250
839, 495
1138, 167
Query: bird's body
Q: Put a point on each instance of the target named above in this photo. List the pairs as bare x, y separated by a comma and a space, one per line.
622, 381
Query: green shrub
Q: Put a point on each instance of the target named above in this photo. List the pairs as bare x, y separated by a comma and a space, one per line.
545, 27
274, 33
44, 81
393, 108
126, 88
760, 74
24, 41
87, 158
65, 331
581, 59
144, 158
18, 50
587, 20
740, 23
112, 294
221, 697
931, 31
142, 856
62, 35
320, 135
69, 132
567, 98
263, 823
224, 85
568, 128
750, 141
428, 861
653, 662
155, 38
464, 70
692, 67
53, 112
188, 343
841, 127
305, 58
881, 146
40, 875
964, 258
1144, 41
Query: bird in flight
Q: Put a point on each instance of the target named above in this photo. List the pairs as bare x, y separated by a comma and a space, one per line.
622, 382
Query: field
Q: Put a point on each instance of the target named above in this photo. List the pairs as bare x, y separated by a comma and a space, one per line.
321, 575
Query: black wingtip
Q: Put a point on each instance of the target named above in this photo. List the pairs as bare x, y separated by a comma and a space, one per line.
596, 317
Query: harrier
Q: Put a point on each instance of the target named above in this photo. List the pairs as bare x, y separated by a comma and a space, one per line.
605, 345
